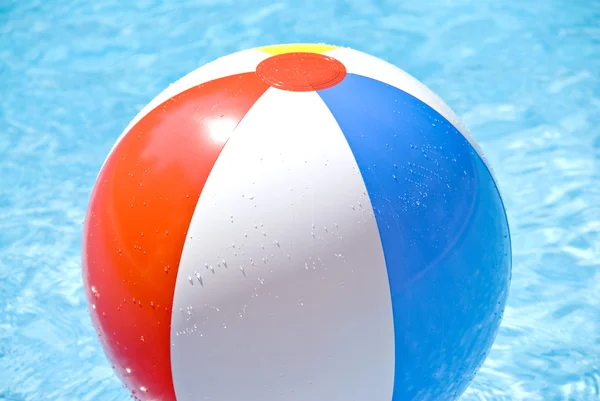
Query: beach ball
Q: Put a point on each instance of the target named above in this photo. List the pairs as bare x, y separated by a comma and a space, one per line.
296, 222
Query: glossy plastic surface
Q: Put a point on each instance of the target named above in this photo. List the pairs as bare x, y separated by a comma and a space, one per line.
138, 218
407, 237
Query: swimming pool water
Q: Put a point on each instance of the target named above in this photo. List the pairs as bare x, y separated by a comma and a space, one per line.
522, 75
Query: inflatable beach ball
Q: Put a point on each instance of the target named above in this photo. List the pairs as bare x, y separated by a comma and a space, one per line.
296, 222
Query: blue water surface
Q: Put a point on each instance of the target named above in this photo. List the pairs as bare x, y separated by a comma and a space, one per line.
522, 74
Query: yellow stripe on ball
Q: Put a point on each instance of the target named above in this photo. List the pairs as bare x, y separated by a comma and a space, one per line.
275, 50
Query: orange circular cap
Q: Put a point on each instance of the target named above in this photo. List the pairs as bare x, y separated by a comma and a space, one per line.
301, 72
